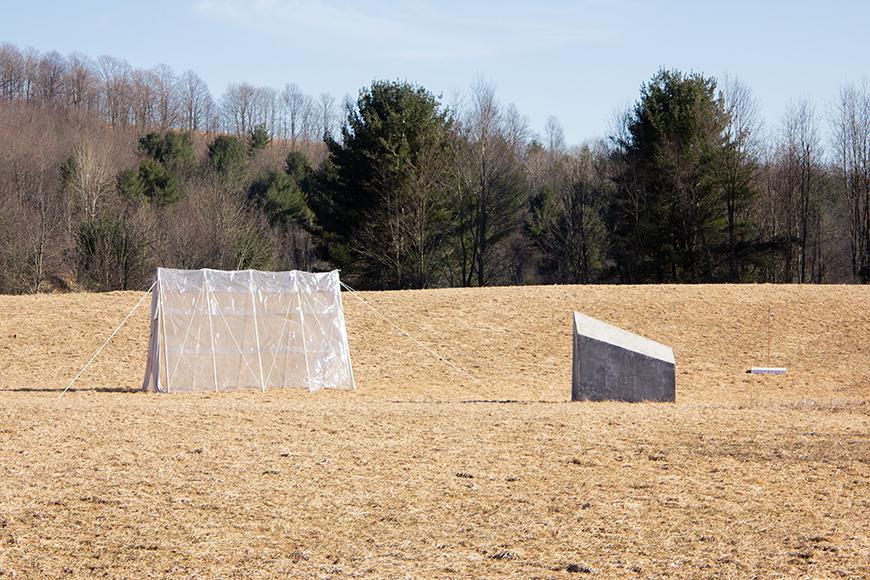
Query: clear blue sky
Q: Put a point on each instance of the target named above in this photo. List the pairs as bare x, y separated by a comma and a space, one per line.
579, 61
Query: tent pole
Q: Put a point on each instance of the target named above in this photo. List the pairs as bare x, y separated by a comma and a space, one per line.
302, 327
286, 345
256, 329
152, 366
210, 328
163, 323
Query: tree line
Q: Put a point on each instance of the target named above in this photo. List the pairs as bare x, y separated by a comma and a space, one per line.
144, 99
107, 172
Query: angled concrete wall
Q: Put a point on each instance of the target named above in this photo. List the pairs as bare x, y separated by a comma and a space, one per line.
611, 364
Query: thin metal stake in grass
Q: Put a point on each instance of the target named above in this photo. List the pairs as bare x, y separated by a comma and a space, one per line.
769, 333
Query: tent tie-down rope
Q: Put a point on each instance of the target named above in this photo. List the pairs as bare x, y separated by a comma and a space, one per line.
108, 340
420, 343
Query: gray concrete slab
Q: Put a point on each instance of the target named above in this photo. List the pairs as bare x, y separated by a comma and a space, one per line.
611, 364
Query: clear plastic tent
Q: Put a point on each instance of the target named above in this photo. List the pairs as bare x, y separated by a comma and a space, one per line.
214, 330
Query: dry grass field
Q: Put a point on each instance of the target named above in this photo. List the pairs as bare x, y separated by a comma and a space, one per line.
423, 472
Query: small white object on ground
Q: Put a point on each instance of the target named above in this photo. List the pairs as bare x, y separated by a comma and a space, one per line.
767, 370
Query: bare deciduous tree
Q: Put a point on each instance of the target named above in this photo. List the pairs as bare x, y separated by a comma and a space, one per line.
50, 77
488, 188
166, 97
851, 136
86, 175
143, 100
239, 108
326, 109
11, 71
292, 102
115, 79
741, 167
196, 102
794, 177
554, 136
82, 85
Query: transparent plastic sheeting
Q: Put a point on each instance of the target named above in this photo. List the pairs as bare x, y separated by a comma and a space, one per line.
214, 330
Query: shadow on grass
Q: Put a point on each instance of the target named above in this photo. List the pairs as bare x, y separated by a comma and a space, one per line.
73, 390
477, 401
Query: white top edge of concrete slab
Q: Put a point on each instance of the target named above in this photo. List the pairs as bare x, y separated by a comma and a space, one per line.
598, 330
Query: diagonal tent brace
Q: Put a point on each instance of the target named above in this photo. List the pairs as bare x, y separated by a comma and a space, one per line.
214, 330
108, 340
414, 339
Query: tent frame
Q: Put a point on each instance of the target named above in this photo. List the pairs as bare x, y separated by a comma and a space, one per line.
335, 372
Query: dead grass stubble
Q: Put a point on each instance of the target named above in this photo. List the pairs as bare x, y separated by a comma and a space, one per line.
423, 473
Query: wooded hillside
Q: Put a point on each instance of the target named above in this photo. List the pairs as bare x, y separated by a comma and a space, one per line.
108, 171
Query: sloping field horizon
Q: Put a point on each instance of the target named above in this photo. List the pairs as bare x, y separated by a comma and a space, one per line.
514, 341
423, 471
